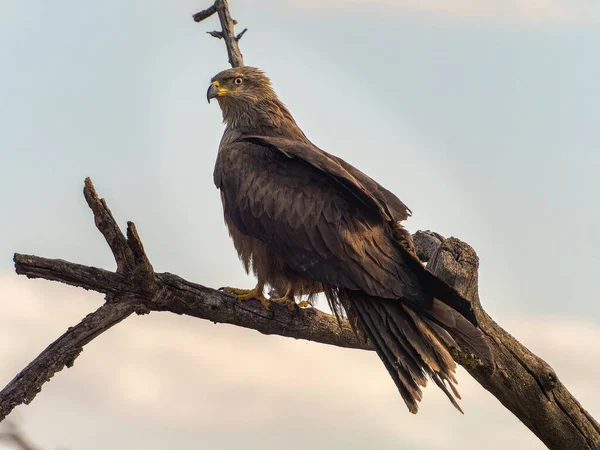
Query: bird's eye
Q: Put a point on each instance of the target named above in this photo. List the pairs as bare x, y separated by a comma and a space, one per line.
238, 81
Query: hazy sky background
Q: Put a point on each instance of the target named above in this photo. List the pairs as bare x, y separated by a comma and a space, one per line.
481, 116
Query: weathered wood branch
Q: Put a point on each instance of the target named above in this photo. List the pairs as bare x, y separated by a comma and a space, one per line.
134, 287
523, 382
204, 14
61, 353
227, 33
173, 293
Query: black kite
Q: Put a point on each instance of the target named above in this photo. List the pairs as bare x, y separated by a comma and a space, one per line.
305, 222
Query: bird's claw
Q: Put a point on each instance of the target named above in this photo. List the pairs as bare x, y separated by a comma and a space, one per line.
248, 294
290, 303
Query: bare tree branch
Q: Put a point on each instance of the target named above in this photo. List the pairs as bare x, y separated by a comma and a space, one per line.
204, 14
174, 294
524, 383
221, 7
134, 287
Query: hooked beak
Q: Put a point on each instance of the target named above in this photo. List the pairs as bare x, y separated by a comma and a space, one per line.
213, 91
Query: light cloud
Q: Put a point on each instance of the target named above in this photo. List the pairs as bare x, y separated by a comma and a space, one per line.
512, 11
172, 373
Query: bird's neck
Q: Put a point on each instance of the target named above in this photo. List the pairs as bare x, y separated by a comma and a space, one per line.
266, 117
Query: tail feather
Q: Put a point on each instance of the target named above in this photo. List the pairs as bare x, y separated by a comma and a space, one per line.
430, 335
468, 337
443, 334
398, 344
412, 360
414, 343
427, 346
410, 392
438, 381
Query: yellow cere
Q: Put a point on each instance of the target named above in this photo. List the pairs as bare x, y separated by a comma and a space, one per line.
222, 91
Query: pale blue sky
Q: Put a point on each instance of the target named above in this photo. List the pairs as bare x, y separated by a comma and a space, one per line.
485, 122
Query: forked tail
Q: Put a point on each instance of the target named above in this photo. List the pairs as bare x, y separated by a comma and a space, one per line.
413, 343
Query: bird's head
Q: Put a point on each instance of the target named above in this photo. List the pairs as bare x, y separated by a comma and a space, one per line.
240, 85
249, 103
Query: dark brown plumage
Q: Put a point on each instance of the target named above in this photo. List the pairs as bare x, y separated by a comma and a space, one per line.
305, 221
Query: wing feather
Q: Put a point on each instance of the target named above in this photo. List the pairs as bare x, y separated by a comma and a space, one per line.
354, 221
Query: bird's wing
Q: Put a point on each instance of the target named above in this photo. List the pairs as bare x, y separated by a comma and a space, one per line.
353, 179
293, 203
373, 197
367, 197
399, 211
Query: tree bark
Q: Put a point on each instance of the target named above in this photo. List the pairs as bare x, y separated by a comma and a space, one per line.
227, 33
523, 382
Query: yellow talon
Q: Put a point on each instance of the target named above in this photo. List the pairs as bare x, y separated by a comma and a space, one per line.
288, 300
290, 303
249, 294
303, 304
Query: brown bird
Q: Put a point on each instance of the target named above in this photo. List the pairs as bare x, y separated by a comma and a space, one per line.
304, 222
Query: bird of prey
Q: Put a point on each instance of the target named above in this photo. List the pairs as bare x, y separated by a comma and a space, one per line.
305, 221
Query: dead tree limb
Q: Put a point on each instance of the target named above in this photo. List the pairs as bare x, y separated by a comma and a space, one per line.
227, 33
523, 382
134, 287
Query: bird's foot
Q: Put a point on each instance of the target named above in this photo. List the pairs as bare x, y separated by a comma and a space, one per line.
290, 302
287, 301
249, 294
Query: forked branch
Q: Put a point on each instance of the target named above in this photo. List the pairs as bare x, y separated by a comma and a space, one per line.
524, 383
227, 33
